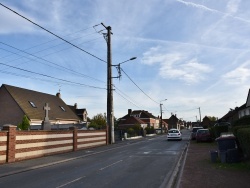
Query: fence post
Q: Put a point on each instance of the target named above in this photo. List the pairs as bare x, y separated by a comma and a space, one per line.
11, 142
74, 129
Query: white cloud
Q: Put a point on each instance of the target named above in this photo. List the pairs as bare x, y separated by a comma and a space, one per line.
237, 76
175, 65
12, 23
232, 6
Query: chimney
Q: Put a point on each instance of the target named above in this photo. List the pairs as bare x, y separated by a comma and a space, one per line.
129, 111
58, 95
75, 105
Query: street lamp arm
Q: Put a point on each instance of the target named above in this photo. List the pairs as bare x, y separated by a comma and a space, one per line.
131, 59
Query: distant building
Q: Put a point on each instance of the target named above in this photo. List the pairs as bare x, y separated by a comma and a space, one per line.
81, 113
16, 102
144, 118
173, 122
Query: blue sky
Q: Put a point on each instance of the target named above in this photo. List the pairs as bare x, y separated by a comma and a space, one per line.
192, 53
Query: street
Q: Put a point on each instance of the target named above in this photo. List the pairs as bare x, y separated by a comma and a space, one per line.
147, 162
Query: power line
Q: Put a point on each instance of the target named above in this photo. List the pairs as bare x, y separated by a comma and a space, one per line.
139, 87
53, 33
55, 40
127, 99
45, 60
52, 77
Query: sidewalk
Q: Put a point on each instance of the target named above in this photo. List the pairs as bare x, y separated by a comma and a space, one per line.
199, 171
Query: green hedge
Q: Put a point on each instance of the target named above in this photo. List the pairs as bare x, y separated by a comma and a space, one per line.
243, 136
150, 130
235, 129
217, 130
242, 121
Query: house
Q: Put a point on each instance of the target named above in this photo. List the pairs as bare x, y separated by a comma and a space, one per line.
233, 114
16, 102
81, 113
245, 110
130, 122
145, 118
173, 122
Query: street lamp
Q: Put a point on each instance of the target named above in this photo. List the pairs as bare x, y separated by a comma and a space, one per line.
110, 105
118, 66
161, 114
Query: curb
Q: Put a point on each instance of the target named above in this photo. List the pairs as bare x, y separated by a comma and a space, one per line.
177, 172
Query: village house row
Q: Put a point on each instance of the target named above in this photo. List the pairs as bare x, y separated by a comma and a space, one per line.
16, 102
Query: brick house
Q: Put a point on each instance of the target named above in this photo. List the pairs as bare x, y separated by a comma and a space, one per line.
143, 117
173, 122
16, 102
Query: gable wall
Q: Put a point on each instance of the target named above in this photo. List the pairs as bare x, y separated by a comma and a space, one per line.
10, 113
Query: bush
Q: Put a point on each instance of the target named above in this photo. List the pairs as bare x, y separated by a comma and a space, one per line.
217, 130
212, 132
131, 132
242, 121
243, 136
235, 129
25, 125
150, 130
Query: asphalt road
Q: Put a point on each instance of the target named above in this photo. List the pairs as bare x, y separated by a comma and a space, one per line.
143, 163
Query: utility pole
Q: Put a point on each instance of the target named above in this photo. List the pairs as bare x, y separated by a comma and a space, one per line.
200, 113
161, 114
110, 108
161, 117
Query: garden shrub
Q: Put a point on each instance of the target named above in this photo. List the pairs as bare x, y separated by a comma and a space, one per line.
242, 121
131, 132
217, 130
150, 130
243, 136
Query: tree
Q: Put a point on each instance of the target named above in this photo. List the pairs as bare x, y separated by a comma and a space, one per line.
25, 125
98, 121
212, 118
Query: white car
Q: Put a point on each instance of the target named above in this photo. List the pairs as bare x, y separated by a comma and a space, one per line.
174, 134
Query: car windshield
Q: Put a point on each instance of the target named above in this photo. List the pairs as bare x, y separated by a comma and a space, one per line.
202, 131
173, 131
195, 129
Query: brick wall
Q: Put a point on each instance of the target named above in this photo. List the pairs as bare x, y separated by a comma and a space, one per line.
3, 146
20, 145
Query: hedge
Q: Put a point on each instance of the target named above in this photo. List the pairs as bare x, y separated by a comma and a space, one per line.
242, 121
243, 136
217, 130
235, 129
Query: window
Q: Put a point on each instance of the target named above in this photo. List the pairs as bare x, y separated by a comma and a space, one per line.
63, 109
32, 104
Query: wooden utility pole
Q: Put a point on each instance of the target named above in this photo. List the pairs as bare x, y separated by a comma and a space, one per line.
110, 108
161, 117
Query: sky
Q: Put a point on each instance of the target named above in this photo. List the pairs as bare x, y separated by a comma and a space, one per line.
193, 53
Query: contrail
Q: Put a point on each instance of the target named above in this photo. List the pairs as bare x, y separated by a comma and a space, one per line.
199, 6
211, 10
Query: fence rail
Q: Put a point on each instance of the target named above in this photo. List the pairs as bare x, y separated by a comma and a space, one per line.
21, 145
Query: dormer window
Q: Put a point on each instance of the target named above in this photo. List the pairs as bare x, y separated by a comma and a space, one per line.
32, 104
63, 109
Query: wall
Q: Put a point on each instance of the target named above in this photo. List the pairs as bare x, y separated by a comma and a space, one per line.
21, 145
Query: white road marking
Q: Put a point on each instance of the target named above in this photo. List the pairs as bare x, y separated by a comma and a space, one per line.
70, 182
110, 165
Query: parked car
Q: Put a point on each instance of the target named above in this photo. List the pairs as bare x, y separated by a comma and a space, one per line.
222, 124
194, 130
174, 134
203, 135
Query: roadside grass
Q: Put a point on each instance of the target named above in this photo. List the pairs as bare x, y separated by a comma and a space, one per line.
240, 166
